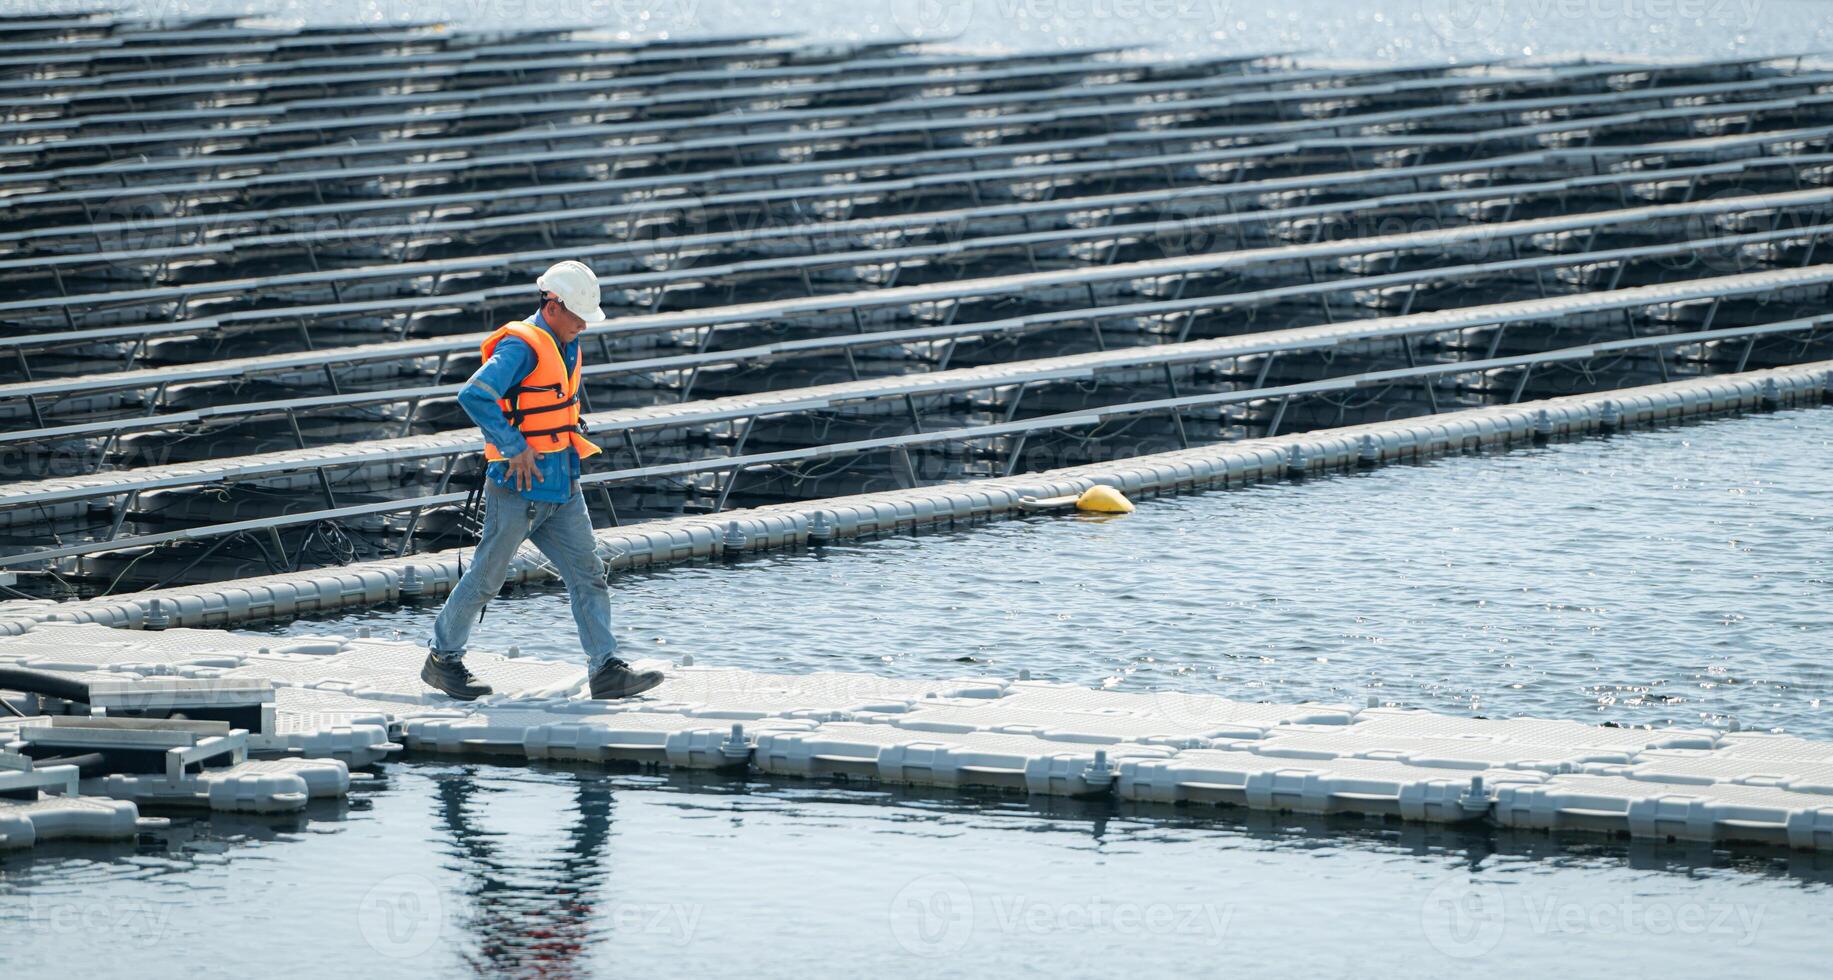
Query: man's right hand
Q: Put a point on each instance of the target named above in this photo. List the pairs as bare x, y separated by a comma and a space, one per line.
524, 470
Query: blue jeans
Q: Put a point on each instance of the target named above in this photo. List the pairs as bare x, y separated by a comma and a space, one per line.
563, 532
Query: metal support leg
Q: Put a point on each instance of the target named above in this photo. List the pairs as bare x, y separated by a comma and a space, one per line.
127, 504
1521, 384
1413, 362
1266, 366
1279, 415
726, 491
1017, 448
324, 484
1495, 341
1017, 396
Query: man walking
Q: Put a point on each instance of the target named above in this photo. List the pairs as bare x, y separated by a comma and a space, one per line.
526, 399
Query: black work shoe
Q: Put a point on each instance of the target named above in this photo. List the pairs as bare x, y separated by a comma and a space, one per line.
617, 680
453, 679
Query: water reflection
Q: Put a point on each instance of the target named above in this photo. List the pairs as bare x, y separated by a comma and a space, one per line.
527, 917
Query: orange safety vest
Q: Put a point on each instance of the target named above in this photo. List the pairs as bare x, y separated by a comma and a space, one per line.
544, 405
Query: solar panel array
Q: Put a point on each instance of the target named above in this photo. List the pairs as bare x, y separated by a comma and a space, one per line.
243, 270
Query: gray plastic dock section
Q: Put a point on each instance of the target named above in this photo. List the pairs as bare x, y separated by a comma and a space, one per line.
791, 525
1021, 736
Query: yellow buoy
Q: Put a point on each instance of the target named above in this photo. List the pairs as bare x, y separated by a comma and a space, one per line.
1103, 499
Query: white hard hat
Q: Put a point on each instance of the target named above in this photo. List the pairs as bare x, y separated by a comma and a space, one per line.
576, 287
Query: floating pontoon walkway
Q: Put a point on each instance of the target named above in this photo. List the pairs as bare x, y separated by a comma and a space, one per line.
334, 697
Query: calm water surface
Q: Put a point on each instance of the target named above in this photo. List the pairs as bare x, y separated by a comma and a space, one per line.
1361, 30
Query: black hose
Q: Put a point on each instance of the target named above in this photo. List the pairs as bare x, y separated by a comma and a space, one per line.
88, 764
43, 682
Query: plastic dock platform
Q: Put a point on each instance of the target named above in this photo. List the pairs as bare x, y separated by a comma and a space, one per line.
1017, 735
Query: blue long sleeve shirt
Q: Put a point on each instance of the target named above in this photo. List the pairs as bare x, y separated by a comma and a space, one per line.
508, 365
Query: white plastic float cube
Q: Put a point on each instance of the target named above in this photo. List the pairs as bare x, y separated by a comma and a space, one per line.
1704, 767
318, 724
300, 670
175, 645
1223, 717
326, 737
1529, 731
231, 790
494, 730
1197, 775
256, 786
1342, 785
1719, 811
834, 749
1764, 745
682, 741
780, 705
1333, 742
633, 736
827, 696
1007, 761
1058, 726
1377, 787
114, 658
65, 818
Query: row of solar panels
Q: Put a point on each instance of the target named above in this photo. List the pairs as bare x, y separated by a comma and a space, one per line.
1501, 378
84, 140
1091, 107
216, 298
240, 236
829, 134
1638, 232
139, 47
1714, 310
1685, 304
